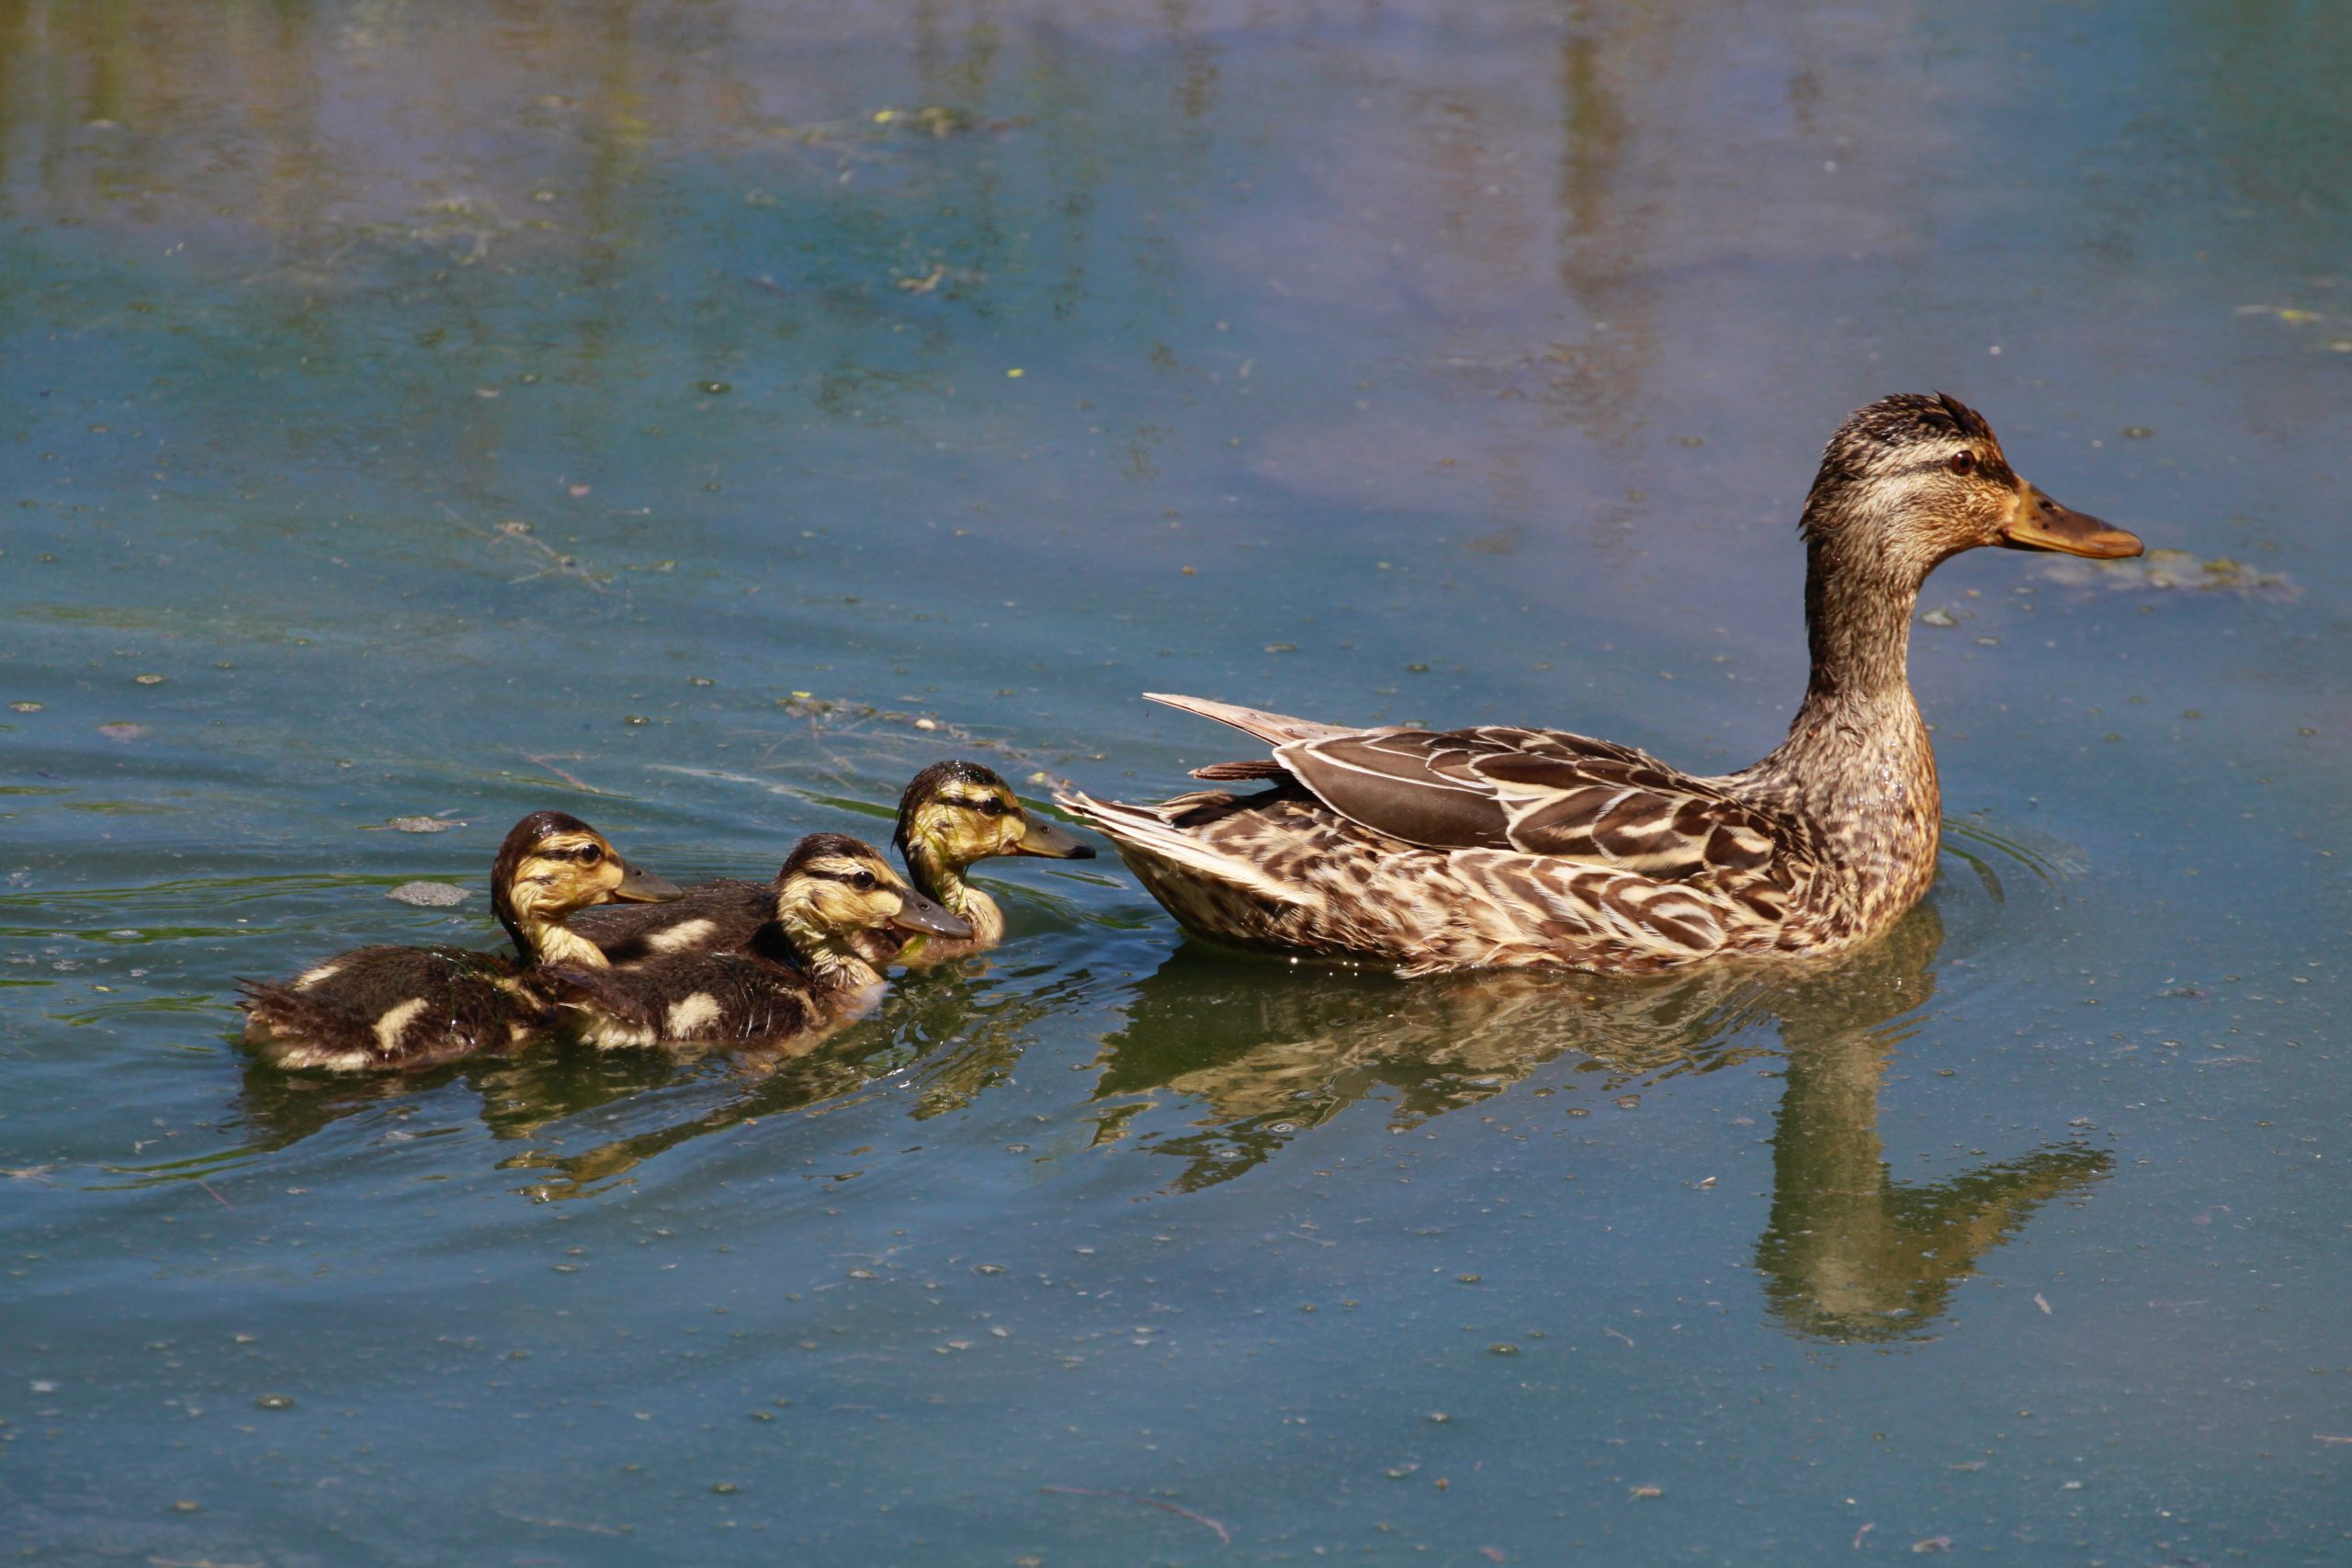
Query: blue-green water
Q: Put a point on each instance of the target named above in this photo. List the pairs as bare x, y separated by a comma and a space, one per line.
698, 416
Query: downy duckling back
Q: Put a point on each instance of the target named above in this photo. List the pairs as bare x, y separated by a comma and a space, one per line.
801, 972
385, 1006
952, 815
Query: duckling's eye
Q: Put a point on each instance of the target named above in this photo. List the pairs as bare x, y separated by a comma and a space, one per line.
592, 854
863, 882
992, 807
1962, 462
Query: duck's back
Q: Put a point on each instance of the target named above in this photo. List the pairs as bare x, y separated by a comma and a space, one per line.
723, 915
377, 1007
692, 998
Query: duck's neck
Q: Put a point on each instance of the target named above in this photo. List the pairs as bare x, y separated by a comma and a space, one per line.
540, 936
1858, 760
941, 878
1857, 623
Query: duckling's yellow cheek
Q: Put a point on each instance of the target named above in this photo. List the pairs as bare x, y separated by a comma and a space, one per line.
836, 907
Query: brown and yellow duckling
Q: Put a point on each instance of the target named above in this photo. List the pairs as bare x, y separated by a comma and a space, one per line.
386, 1007
1507, 846
805, 969
952, 815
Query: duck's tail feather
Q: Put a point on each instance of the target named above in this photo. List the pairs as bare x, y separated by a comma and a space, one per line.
1146, 831
1273, 728
1230, 773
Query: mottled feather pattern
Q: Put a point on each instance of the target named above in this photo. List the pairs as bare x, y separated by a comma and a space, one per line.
1542, 791
1508, 846
1349, 893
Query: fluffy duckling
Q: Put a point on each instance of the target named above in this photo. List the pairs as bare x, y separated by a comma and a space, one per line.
802, 970
952, 815
416, 1007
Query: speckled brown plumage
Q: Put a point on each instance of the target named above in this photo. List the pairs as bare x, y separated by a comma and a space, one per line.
1509, 846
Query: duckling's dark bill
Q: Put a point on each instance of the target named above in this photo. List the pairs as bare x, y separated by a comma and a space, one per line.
642, 886
1052, 841
917, 913
2041, 524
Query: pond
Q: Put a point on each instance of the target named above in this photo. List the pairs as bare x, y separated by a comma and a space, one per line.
697, 416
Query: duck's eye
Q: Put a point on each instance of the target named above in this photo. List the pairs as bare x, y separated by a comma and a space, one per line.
863, 882
592, 854
993, 809
1962, 462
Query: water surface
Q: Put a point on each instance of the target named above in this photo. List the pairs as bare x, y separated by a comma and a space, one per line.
698, 416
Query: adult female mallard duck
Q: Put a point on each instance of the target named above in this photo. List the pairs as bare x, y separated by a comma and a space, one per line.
951, 816
803, 970
417, 1007
1503, 846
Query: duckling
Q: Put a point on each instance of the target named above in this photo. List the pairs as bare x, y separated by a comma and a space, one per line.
387, 1006
801, 972
950, 816
953, 814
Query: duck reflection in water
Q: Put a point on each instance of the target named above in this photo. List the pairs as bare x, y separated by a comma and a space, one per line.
537, 1100
1850, 1253
955, 1033
1273, 1052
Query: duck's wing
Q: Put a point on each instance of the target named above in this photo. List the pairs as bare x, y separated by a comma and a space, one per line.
1544, 792
1540, 792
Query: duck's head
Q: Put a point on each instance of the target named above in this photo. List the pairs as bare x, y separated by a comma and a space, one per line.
551, 864
1914, 480
956, 813
833, 887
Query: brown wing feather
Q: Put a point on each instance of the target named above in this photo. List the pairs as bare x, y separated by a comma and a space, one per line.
1271, 728
1536, 791
1263, 768
1407, 783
